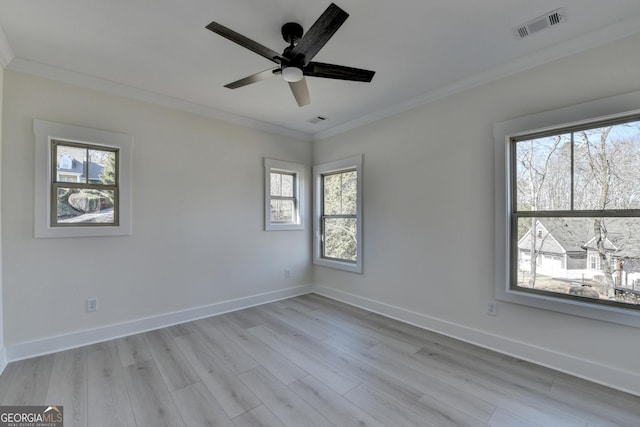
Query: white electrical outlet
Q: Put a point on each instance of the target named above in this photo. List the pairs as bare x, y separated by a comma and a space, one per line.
492, 308
287, 272
92, 305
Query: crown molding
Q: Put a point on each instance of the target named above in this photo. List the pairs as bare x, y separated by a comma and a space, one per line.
574, 46
6, 53
588, 41
74, 78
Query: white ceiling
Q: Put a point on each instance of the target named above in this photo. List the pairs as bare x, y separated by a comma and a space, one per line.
159, 50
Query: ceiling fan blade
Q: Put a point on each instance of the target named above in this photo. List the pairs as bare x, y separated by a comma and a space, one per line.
245, 42
319, 34
262, 75
300, 92
332, 71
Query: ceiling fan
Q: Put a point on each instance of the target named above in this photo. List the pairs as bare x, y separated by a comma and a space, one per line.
294, 63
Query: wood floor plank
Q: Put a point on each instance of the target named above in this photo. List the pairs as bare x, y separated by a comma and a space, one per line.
280, 367
360, 371
234, 397
332, 405
174, 368
9, 373
198, 407
258, 417
337, 380
31, 382
68, 385
133, 349
152, 403
428, 385
502, 418
385, 409
305, 324
108, 403
180, 329
234, 357
284, 403
346, 327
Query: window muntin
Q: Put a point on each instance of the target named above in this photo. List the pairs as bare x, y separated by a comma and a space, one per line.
284, 195
337, 218
84, 185
580, 187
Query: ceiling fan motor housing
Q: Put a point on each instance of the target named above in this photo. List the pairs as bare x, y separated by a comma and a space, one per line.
291, 32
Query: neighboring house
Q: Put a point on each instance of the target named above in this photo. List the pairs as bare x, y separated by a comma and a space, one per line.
566, 248
72, 170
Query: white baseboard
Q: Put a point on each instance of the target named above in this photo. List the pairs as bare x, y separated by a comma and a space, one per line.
57, 343
589, 370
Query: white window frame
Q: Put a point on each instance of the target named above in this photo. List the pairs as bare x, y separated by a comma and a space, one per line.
352, 163
46, 132
298, 171
576, 115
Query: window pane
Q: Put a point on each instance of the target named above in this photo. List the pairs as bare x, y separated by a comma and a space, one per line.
341, 193
102, 167
287, 185
607, 175
276, 184
543, 168
84, 206
332, 194
596, 258
349, 193
340, 238
70, 164
282, 211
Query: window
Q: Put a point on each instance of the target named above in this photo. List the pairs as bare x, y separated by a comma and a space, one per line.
338, 214
568, 212
284, 184
90, 196
82, 181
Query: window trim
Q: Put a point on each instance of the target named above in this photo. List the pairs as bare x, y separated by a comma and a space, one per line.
612, 108
319, 170
45, 134
299, 183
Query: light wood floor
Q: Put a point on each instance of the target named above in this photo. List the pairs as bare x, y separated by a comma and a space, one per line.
306, 361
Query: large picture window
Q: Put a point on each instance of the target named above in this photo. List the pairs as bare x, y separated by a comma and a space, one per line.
576, 212
337, 218
568, 210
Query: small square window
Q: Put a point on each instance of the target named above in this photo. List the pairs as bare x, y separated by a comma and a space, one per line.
84, 185
82, 182
284, 183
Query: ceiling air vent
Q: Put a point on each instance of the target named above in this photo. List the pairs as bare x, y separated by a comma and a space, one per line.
540, 23
317, 119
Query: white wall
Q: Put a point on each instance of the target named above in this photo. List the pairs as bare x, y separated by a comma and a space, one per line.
429, 217
197, 217
2, 350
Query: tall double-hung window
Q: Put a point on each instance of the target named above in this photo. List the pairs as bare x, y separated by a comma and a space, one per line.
338, 214
573, 217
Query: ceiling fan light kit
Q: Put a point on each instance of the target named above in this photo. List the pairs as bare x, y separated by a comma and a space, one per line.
292, 74
294, 63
